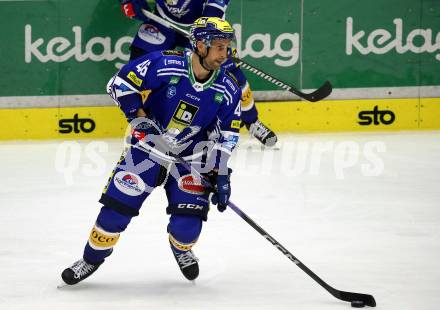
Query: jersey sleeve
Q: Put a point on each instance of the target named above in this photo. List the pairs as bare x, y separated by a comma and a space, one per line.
228, 124
215, 8
131, 84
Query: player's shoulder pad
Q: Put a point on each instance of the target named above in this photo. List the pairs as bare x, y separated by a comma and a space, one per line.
150, 58
173, 59
136, 69
229, 64
231, 82
232, 76
230, 90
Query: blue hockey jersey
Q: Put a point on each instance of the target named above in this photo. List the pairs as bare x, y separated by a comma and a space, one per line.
153, 36
185, 12
176, 100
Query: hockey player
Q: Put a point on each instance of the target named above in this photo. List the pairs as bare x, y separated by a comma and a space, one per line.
193, 108
152, 36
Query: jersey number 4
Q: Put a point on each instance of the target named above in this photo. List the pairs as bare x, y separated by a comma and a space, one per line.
238, 109
142, 68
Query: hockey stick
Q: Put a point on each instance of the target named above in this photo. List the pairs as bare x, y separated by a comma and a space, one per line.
355, 298
314, 96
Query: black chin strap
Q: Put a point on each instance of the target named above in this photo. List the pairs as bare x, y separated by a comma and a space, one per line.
201, 59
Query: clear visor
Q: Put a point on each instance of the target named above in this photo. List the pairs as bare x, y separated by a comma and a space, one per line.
231, 37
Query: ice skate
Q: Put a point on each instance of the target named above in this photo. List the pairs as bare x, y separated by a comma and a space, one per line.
78, 272
262, 133
188, 263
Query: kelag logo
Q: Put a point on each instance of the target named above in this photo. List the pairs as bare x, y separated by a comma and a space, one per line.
283, 48
76, 124
271, 46
381, 41
61, 49
376, 117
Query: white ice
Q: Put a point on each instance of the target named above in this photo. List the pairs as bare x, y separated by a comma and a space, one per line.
363, 214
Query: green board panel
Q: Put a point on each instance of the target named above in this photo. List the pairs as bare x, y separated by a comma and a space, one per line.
57, 48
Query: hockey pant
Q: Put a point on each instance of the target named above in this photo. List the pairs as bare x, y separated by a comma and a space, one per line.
134, 178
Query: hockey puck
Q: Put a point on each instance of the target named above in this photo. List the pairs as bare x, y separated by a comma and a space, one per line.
357, 304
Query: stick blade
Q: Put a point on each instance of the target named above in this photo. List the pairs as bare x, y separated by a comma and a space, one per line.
368, 300
319, 94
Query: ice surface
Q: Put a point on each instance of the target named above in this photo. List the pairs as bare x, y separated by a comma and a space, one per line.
364, 215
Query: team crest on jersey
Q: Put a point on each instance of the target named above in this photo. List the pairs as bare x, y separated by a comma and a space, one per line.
183, 116
171, 91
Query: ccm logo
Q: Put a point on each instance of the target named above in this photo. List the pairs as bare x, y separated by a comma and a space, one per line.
76, 124
101, 238
376, 117
282, 249
193, 97
189, 206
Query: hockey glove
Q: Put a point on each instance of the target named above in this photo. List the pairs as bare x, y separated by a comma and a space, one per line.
141, 127
149, 131
222, 189
176, 143
133, 9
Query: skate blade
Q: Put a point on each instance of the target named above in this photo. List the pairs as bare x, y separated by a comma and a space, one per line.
259, 147
276, 147
61, 285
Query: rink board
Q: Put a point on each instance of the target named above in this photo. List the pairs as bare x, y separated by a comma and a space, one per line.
294, 116
56, 49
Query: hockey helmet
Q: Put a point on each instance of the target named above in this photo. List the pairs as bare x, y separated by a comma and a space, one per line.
206, 29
